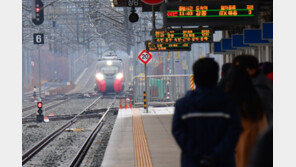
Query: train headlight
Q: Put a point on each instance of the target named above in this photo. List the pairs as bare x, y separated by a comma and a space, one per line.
109, 63
99, 76
119, 76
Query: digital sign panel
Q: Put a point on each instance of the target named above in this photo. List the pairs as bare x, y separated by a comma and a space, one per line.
186, 35
218, 48
238, 41
167, 46
227, 44
254, 36
267, 30
218, 13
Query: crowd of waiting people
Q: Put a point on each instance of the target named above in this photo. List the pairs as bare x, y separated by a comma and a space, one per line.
227, 123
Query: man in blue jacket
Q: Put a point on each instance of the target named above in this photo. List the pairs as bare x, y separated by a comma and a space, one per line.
206, 123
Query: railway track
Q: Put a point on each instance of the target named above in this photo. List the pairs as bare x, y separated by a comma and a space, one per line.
87, 114
47, 108
29, 95
71, 96
44, 101
46, 140
77, 160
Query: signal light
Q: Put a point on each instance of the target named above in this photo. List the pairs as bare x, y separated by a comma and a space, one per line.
39, 14
37, 9
39, 111
40, 116
39, 104
133, 17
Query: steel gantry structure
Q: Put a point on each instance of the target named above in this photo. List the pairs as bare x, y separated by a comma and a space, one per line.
76, 30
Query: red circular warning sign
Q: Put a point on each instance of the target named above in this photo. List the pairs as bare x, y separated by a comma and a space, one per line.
152, 2
145, 57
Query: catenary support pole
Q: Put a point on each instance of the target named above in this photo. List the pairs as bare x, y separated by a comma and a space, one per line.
153, 24
39, 69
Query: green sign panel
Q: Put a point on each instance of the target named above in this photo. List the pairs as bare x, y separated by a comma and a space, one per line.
157, 47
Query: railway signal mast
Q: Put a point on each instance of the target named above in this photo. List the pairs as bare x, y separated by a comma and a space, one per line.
39, 19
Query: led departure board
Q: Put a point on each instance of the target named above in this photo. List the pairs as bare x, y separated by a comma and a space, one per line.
218, 13
167, 46
187, 35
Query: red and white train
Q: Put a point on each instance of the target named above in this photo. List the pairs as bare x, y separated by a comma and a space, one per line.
109, 75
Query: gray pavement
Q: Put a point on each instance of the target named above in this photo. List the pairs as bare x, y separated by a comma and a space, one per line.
157, 125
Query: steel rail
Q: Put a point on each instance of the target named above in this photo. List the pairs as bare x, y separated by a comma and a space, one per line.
40, 145
33, 106
160, 76
87, 114
77, 160
47, 101
63, 117
69, 96
48, 108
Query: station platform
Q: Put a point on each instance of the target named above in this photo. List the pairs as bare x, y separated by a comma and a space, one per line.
141, 139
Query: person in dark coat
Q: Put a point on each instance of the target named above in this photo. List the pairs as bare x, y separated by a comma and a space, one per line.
261, 83
267, 69
225, 68
206, 123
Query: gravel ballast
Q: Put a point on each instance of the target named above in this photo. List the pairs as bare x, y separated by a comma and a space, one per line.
61, 151
34, 110
96, 152
33, 132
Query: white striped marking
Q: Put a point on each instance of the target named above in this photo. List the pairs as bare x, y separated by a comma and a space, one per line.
209, 114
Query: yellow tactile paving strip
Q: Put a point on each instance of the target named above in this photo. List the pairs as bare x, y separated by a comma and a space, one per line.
142, 153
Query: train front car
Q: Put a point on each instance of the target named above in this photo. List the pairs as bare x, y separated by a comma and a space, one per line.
109, 75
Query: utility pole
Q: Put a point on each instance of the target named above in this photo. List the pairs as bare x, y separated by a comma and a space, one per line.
23, 78
173, 72
30, 67
54, 43
39, 70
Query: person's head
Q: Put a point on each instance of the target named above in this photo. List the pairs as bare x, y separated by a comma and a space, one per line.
205, 72
260, 65
248, 62
225, 69
267, 67
239, 86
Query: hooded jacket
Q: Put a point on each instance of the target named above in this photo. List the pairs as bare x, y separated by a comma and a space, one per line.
206, 123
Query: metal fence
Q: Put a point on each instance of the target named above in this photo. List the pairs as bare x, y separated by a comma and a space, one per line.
161, 88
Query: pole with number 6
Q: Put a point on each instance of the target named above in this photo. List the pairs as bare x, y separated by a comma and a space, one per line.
39, 39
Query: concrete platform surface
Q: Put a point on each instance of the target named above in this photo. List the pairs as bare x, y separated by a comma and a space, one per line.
124, 140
